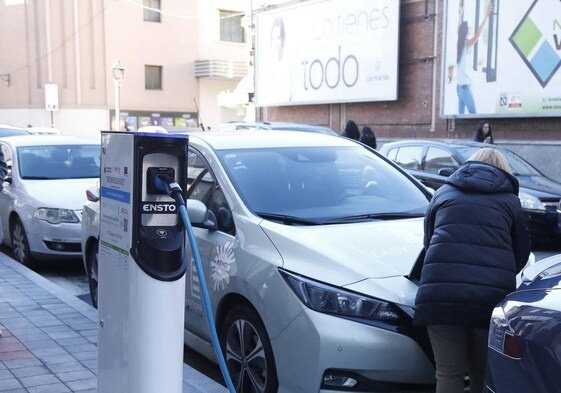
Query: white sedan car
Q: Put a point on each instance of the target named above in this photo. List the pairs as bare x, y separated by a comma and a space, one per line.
308, 249
43, 194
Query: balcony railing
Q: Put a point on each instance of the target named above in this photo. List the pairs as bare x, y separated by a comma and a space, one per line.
220, 69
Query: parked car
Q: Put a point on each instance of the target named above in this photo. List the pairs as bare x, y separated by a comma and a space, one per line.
43, 130
278, 126
8, 130
524, 335
43, 195
306, 257
432, 161
169, 130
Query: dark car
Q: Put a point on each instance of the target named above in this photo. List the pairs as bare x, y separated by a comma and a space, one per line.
524, 335
284, 126
432, 161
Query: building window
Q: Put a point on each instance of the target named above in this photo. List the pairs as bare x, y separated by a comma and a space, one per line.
150, 13
153, 77
231, 29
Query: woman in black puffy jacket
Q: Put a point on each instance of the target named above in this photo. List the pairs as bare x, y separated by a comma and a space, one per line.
476, 241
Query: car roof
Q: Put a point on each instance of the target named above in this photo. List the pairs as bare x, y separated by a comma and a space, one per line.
442, 142
43, 130
240, 139
278, 125
47, 140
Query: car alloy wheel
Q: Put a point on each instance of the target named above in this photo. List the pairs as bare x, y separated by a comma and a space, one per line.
248, 352
20, 245
93, 275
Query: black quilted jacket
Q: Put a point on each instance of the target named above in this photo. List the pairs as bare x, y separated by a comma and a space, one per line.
476, 241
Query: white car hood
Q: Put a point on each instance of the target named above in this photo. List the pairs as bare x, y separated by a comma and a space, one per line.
63, 193
344, 254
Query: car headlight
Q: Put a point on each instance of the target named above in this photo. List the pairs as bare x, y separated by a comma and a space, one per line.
56, 216
530, 202
336, 301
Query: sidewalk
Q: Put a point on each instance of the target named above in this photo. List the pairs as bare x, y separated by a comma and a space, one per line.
48, 342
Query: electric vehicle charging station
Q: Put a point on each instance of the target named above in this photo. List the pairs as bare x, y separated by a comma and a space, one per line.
141, 265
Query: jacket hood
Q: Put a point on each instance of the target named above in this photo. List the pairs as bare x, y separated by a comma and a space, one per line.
484, 178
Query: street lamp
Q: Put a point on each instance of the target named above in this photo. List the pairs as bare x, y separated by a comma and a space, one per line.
118, 75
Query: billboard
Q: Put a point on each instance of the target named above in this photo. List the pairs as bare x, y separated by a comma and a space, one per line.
327, 51
501, 58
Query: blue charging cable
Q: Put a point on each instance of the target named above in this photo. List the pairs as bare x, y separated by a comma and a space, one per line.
167, 184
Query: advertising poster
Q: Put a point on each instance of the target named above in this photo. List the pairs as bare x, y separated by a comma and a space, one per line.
501, 58
327, 51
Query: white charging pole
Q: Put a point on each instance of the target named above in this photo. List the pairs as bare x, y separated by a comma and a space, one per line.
141, 266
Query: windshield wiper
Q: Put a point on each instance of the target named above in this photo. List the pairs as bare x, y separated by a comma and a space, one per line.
287, 220
376, 216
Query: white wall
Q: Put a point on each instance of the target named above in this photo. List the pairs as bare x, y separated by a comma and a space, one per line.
91, 121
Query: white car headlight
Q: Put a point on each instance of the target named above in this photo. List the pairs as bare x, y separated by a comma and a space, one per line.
336, 301
530, 202
56, 216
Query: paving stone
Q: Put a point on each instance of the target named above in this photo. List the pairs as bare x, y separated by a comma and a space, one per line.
38, 380
9, 385
30, 371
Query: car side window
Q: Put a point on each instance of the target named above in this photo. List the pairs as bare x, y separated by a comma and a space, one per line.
437, 159
203, 186
392, 154
409, 157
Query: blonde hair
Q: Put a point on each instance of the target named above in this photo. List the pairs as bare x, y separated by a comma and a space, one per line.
492, 156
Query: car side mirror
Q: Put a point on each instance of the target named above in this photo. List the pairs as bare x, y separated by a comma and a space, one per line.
446, 171
200, 216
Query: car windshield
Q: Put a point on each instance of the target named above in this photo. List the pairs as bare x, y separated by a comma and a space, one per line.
59, 162
321, 185
518, 166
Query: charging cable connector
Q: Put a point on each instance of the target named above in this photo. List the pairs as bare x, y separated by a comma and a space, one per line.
166, 184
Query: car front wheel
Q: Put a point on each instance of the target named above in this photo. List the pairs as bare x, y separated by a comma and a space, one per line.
248, 352
20, 244
93, 274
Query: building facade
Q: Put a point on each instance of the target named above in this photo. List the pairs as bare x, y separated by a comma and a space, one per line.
189, 62
425, 28
180, 58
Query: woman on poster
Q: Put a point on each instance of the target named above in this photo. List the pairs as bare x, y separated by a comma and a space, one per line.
463, 88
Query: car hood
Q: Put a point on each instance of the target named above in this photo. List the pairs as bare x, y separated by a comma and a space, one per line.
63, 193
540, 184
343, 254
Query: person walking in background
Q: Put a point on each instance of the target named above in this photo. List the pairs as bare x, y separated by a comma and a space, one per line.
463, 88
351, 130
368, 137
483, 133
476, 240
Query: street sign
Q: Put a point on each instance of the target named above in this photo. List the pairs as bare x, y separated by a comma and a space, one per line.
51, 97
